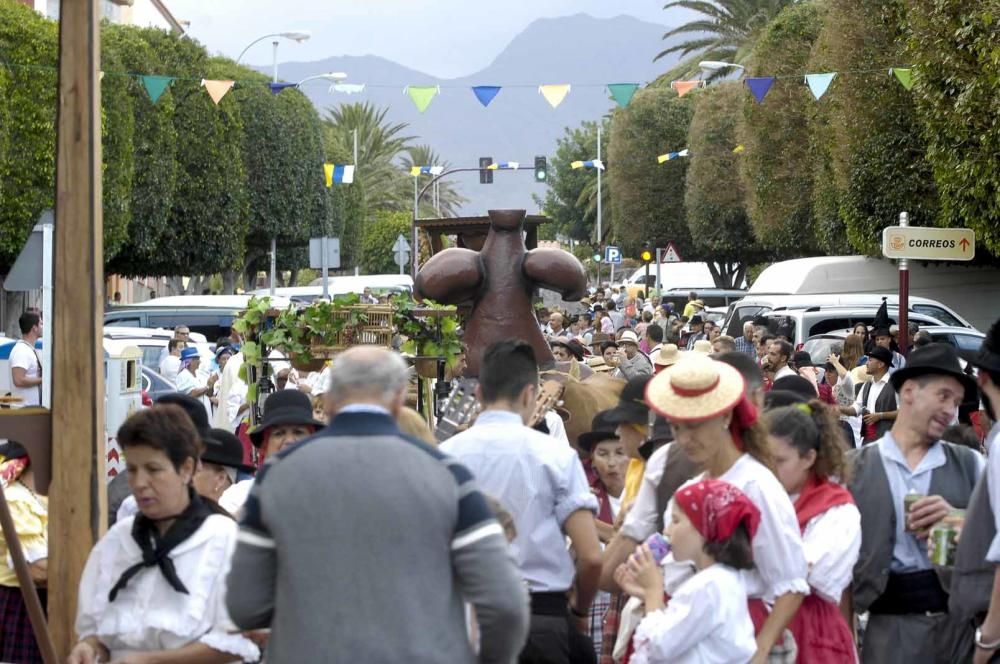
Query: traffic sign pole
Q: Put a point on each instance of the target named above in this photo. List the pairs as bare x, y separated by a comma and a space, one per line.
659, 259
904, 294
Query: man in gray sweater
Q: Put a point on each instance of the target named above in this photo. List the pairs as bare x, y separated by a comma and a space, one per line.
360, 544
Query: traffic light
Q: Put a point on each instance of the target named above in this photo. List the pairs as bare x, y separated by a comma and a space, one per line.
485, 175
597, 258
541, 170
646, 254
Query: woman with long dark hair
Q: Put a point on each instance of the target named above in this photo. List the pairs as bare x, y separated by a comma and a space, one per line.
154, 586
809, 451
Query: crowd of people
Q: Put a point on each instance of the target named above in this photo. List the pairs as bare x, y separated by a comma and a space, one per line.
738, 504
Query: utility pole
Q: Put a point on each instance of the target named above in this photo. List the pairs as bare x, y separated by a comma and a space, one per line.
274, 240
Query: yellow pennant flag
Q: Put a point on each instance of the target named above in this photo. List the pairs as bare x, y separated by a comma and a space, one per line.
554, 94
328, 172
217, 89
739, 149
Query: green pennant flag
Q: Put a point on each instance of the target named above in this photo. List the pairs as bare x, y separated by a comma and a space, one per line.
905, 76
156, 85
622, 92
422, 95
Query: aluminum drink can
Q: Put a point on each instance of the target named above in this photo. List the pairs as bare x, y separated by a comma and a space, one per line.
943, 545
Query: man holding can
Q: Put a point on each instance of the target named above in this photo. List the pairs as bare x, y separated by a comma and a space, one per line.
905, 483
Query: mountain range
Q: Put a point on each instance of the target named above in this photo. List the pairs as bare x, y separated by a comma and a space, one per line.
519, 124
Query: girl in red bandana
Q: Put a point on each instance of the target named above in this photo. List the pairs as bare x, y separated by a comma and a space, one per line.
707, 620
809, 454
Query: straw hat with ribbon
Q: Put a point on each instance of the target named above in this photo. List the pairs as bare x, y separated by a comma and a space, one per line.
697, 388
703, 346
668, 355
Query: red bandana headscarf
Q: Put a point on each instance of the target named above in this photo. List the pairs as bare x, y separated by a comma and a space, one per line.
717, 508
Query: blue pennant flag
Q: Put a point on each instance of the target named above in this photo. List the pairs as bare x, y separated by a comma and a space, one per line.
486, 93
759, 87
278, 87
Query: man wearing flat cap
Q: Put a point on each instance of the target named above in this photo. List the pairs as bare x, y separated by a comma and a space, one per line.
975, 585
905, 483
876, 403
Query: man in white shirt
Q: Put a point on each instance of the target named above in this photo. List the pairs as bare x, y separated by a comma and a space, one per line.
883, 338
777, 358
25, 367
544, 487
190, 383
875, 404
170, 365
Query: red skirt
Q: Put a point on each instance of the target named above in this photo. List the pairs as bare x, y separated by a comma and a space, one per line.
17, 638
822, 633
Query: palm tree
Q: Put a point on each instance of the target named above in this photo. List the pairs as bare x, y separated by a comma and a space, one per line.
379, 143
728, 31
449, 200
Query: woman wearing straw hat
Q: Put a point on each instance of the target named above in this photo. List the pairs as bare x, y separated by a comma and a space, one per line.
667, 357
716, 426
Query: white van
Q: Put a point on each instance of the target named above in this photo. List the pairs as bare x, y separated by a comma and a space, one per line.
947, 284
688, 277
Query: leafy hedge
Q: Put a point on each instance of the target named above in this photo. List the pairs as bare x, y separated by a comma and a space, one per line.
776, 162
648, 200
952, 45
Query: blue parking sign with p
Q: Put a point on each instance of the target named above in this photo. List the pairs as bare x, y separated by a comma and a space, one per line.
612, 255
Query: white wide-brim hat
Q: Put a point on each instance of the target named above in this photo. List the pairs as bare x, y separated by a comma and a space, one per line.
696, 388
668, 356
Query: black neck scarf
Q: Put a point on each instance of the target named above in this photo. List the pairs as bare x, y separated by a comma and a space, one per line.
156, 549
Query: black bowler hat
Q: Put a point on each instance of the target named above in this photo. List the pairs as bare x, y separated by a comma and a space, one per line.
11, 450
601, 429
632, 407
935, 359
789, 390
988, 355
225, 449
883, 355
284, 407
193, 407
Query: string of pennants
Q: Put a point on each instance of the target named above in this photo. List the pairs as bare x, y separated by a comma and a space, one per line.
554, 94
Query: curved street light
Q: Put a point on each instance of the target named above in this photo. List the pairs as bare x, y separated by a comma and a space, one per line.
295, 35
715, 65
333, 77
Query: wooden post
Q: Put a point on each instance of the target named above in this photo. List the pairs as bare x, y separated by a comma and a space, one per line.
78, 496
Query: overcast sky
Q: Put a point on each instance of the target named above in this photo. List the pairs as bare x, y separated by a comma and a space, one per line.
445, 38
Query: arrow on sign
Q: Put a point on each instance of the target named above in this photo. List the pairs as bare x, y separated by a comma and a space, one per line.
964, 244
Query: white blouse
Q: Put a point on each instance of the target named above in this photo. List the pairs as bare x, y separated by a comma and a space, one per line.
706, 622
778, 555
832, 542
148, 614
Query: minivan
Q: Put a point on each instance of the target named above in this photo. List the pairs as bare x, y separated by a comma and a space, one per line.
211, 315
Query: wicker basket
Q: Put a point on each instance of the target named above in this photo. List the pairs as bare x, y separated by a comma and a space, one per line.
375, 331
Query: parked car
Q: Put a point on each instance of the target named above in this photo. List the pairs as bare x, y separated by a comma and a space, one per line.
755, 305
801, 324
210, 315
820, 346
155, 385
152, 342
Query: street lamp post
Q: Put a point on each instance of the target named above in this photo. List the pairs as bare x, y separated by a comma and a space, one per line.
297, 36
716, 65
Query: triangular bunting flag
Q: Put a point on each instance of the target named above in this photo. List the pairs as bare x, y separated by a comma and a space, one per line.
622, 93
416, 171
759, 87
684, 87
102, 75
818, 83
905, 76
671, 155
422, 95
156, 85
590, 163
554, 94
217, 89
278, 87
338, 174
485, 93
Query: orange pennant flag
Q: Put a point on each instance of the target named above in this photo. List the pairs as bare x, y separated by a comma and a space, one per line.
217, 89
684, 87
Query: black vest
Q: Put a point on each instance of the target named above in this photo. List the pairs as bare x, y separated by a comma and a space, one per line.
954, 481
972, 578
886, 402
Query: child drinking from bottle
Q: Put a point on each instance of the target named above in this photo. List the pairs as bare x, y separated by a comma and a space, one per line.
706, 621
